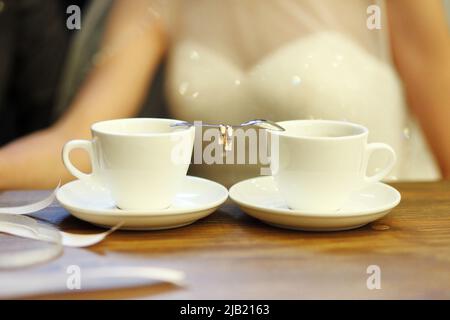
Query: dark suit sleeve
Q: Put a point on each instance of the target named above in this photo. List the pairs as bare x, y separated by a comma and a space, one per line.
40, 39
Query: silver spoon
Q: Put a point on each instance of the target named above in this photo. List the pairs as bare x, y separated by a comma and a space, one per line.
265, 124
261, 123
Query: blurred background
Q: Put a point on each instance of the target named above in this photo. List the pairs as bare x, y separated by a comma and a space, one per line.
34, 45
44, 67
33, 57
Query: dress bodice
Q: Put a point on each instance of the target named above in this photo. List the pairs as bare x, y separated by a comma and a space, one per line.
232, 61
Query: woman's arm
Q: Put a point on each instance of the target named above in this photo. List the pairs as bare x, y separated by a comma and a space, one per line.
131, 50
421, 47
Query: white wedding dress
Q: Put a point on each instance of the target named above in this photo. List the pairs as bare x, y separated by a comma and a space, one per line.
235, 60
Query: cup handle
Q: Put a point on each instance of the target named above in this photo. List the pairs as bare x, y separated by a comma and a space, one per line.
370, 149
78, 144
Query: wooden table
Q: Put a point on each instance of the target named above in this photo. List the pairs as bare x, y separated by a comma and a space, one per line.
230, 255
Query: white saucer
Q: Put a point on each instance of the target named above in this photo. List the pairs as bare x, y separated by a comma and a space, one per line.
197, 199
259, 197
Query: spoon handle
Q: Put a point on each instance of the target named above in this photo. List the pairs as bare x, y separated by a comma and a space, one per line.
264, 124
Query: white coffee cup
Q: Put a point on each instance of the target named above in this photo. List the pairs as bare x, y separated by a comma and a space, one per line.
317, 164
141, 162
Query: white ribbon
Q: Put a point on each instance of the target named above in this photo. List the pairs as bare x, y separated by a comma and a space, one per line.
29, 228
14, 222
33, 207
